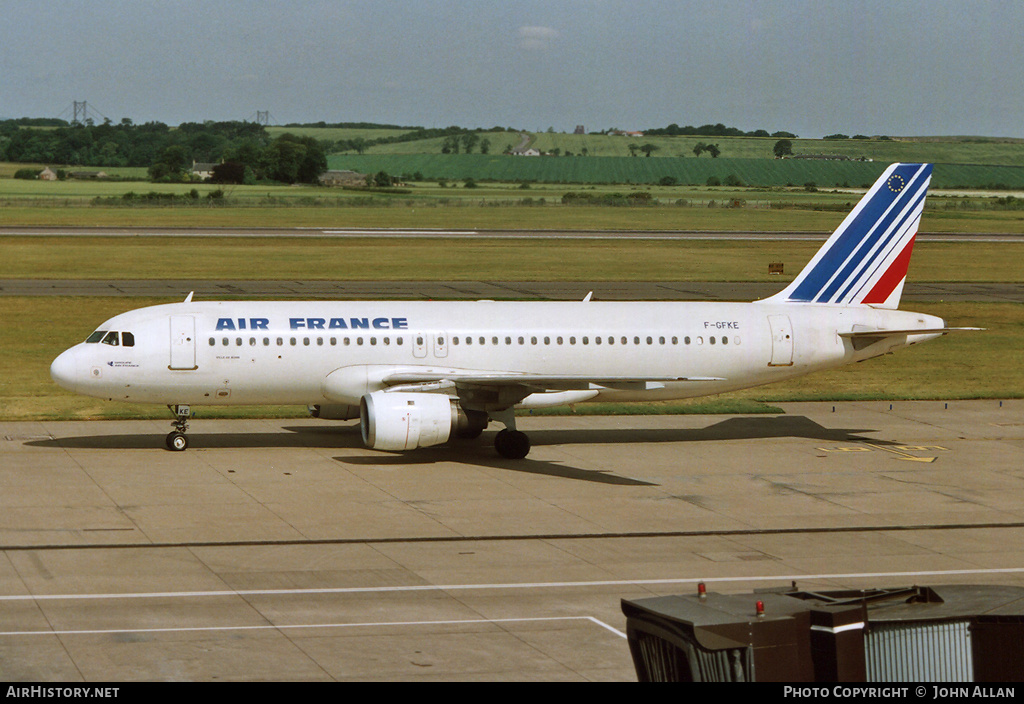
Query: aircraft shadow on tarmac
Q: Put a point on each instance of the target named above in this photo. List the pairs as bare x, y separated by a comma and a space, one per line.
479, 452
743, 428
483, 455
293, 438
738, 428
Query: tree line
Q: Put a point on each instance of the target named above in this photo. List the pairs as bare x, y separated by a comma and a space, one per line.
716, 130
167, 153
456, 139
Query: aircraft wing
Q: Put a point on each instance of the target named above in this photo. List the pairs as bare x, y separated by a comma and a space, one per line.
438, 379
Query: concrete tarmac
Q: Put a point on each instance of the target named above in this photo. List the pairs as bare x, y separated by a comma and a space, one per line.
284, 550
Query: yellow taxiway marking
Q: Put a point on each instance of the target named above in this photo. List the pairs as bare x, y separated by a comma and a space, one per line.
902, 455
901, 451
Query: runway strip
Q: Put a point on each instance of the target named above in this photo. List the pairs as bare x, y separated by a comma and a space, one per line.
177, 289
426, 233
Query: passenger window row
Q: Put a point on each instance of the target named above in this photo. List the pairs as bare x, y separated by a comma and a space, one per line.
587, 340
468, 340
305, 341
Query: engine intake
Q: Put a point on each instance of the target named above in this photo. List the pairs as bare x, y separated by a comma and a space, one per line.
404, 421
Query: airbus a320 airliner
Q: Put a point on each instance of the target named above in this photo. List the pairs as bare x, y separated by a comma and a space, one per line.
417, 373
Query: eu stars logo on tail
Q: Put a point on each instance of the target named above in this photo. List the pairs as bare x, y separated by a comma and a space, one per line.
866, 258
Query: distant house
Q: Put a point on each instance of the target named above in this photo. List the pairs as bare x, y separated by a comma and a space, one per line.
47, 174
88, 175
342, 177
579, 130
525, 152
202, 170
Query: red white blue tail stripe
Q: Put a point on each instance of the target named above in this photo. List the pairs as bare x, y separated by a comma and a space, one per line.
865, 260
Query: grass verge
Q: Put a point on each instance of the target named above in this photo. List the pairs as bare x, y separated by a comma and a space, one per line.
534, 259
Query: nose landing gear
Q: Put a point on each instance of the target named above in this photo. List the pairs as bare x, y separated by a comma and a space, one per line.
177, 440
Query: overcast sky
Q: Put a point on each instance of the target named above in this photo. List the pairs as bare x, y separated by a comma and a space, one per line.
903, 67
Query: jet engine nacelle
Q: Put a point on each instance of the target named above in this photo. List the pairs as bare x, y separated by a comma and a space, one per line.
404, 421
334, 411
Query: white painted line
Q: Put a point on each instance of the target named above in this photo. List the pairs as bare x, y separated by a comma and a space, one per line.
514, 585
401, 233
306, 626
604, 625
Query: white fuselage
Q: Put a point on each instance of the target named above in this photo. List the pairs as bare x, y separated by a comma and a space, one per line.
317, 352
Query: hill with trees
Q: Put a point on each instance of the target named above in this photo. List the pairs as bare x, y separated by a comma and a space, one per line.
168, 153
248, 153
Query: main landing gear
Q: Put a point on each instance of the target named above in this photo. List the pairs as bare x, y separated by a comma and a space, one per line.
513, 444
510, 443
177, 440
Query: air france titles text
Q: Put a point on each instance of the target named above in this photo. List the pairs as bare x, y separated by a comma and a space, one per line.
351, 324
316, 323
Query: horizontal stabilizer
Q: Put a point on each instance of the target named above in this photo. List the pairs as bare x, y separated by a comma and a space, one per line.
909, 331
863, 338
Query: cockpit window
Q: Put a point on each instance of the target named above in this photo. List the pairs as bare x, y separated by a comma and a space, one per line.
126, 339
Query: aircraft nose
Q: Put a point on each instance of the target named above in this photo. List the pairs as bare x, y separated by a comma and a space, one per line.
64, 369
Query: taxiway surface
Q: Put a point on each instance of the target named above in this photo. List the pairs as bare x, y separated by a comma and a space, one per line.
284, 550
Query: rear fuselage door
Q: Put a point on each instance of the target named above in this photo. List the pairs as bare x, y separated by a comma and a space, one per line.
183, 342
782, 341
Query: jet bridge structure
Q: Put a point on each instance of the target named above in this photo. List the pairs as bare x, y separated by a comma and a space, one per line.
956, 633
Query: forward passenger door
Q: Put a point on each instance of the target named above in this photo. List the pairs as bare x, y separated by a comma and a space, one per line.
183, 342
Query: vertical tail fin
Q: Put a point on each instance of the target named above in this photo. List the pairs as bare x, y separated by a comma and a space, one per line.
866, 258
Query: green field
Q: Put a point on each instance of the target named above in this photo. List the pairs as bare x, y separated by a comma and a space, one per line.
335, 134
961, 162
499, 142
491, 206
642, 170
467, 259
951, 150
527, 192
